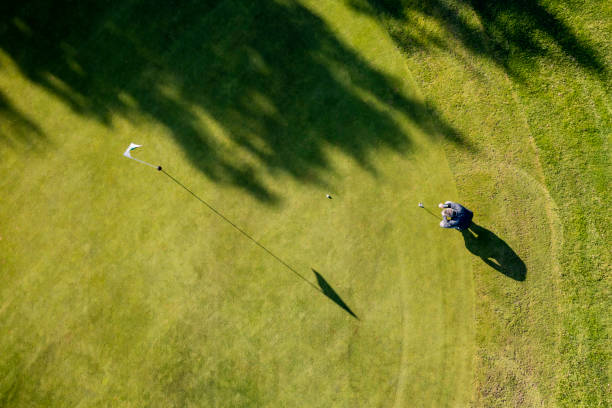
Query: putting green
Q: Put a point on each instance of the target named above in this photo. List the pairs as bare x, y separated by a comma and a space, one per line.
120, 289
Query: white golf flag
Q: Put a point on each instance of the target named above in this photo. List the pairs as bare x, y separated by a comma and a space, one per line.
129, 156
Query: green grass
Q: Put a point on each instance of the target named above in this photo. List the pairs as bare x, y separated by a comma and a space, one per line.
531, 89
121, 289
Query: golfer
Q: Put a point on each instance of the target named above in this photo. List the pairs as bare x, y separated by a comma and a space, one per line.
455, 216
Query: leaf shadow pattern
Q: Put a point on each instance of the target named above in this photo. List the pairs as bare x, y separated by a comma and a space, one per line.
508, 31
271, 75
494, 252
16, 128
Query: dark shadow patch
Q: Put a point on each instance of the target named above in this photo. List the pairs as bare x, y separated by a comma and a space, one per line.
273, 76
512, 32
494, 252
18, 129
331, 293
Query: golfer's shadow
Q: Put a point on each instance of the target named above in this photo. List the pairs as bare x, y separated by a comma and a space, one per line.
494, 252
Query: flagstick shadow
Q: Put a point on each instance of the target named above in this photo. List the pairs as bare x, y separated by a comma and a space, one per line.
331, 293
324, 287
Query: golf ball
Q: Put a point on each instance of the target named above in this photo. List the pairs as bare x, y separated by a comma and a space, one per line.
328, 196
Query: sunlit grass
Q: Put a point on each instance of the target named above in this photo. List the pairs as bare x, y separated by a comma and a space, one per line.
537, 106
121, 289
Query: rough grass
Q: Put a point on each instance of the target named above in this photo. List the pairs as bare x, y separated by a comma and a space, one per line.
531, 89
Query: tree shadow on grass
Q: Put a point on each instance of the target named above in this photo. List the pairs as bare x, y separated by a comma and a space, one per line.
247, 88
16, 128
510, 33
494, 252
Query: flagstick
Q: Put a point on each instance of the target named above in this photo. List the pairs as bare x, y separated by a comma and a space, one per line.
144, 162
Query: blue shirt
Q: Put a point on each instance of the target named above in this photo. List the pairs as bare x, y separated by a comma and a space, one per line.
461, 220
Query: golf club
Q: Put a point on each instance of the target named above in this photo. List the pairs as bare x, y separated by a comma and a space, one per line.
423, 207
